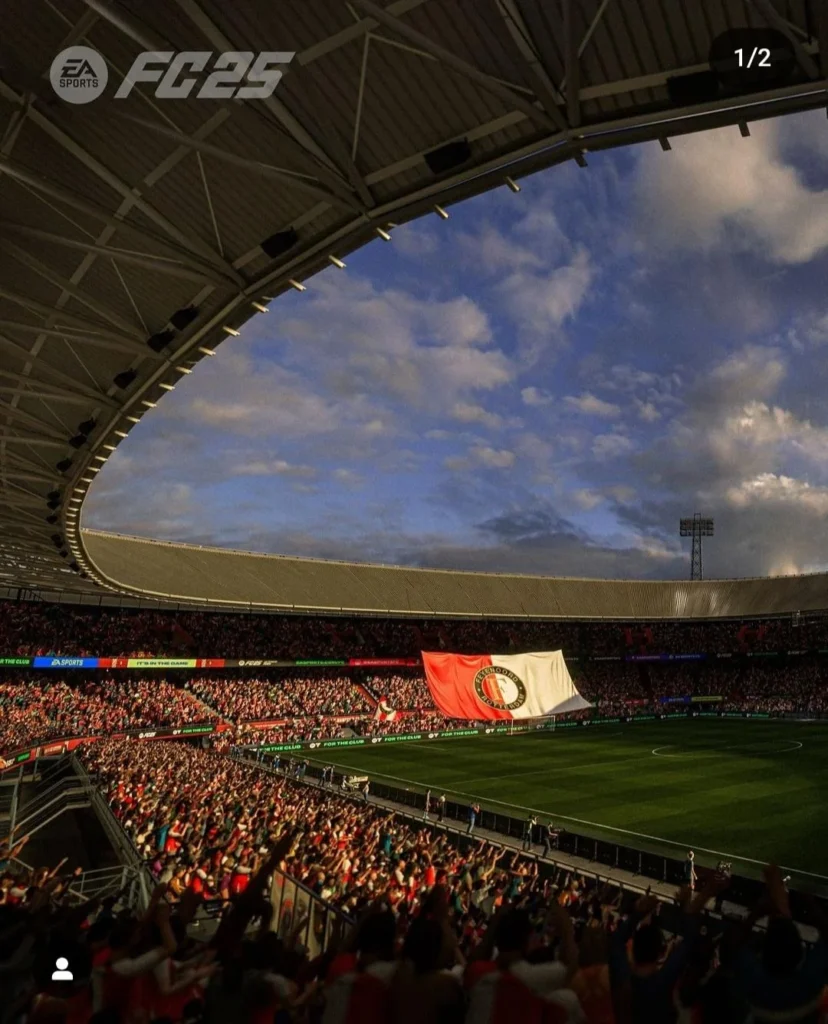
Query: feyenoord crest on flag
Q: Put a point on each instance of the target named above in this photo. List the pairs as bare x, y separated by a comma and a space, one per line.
502, 686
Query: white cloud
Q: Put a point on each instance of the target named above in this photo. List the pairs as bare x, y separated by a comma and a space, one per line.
716, 189
420, 353
273, 467
771, 489
492, 252
348, 477
586, 498
647, 411
481, 455
764, 429
591, 405
536, 396
493, 457
611, 446
754, 372
540, 303
416, 240
468, 412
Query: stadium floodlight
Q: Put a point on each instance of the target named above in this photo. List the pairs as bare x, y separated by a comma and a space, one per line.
441, 212
260, 307
696, 527
297, 285
383, 234
337, 262
513, 185
231, 331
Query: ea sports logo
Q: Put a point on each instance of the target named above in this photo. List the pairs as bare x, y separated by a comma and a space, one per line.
500, 688
78, 74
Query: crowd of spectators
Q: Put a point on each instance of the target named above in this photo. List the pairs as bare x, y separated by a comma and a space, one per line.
35, 711
448, 928
407, 692
38, 628
319, 707
289, 695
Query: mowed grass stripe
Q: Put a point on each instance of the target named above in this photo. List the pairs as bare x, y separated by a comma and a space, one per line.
748, 800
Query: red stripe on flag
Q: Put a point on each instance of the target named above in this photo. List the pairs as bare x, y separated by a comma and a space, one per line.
450, 678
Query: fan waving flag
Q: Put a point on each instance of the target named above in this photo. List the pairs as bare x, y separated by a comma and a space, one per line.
502, 685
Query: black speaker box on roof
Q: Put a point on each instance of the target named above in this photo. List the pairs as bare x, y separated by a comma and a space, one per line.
182, 318
447, 157
280, 243
158, 342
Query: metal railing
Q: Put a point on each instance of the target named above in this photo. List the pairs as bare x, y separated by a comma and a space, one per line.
64, 795
99, 883
299, 913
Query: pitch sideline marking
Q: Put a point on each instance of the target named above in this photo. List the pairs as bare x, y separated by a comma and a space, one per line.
592, 824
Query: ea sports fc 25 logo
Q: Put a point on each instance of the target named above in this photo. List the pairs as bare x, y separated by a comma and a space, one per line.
79, 74
500, 688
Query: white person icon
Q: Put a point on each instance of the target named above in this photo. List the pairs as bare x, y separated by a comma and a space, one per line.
62, 973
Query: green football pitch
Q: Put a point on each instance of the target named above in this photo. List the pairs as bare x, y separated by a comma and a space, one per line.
748, 791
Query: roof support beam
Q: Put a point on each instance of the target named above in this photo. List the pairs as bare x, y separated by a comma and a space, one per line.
47, 430
455, 63
191, 243
68, 319
17, 497
300, 182
573, 69
44, 369
124, 345
9, 435
19, 522
354, 32
19, 550
542, 83
293, 136
337, 159
592, 26
46, 396
822, 30
775, 20
131, 28
36, 478
66, 285
147, 261
112, 220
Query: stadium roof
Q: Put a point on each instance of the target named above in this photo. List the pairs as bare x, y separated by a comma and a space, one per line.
187, 574
129, 220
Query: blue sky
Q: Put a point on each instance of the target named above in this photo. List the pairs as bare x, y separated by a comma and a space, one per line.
543, 383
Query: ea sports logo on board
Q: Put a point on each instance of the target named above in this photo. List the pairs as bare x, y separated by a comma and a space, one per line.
500, 688
78, 74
